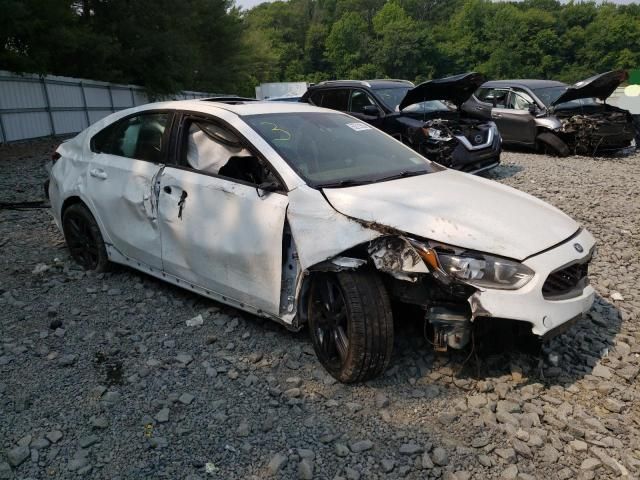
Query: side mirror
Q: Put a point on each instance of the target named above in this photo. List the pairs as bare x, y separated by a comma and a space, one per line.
371, 110
533, 108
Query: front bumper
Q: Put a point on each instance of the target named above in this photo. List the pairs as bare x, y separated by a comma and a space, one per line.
527, 304
475, 161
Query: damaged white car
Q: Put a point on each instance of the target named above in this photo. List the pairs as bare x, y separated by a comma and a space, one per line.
309, 216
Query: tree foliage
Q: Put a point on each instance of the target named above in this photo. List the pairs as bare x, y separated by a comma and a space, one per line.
212, 45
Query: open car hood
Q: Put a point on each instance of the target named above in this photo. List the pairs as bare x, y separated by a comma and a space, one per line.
599, 86
460, 210
456, 89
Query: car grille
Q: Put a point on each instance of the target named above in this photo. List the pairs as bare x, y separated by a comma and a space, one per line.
477, 137
567, 282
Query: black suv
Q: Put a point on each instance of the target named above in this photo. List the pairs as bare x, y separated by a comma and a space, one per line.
426, 117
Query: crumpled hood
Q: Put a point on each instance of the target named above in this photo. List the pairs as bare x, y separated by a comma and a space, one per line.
599, 86
461, 210
456, 89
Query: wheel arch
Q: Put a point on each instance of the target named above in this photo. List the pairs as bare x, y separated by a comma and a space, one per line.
75, 199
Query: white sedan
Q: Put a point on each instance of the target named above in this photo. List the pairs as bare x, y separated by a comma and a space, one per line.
308, 216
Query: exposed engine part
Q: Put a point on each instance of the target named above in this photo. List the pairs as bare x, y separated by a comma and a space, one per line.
586, 134
451, 327
439, 137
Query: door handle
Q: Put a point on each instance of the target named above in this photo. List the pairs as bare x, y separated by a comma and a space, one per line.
98, 173
167, 189
497, 115
480, 108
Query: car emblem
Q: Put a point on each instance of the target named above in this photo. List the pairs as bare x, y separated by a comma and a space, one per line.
477, 139
578, 247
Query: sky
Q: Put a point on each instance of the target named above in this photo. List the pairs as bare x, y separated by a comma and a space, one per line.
252, 3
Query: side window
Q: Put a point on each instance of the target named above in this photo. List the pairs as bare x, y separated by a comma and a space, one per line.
481, 94
210, 148
138, 137
359, 100
316, 98
520, 100
336, 99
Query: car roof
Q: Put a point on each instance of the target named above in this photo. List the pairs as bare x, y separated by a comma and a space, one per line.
239, 108
526, 82
374, 83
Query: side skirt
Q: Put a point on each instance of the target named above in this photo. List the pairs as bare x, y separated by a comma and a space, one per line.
117, 257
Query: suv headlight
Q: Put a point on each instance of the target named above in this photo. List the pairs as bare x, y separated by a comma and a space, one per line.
477, 269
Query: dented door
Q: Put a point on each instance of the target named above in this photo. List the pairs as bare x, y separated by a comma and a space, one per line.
122, 190
222, 236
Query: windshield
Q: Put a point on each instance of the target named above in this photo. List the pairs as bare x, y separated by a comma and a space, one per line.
548, 95
427, 107
333, 149
392, 96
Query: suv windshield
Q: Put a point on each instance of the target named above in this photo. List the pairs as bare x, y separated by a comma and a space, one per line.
334, 150
391, 96
548, 95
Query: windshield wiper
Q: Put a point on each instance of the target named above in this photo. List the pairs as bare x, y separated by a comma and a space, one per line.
403, 174
343, 183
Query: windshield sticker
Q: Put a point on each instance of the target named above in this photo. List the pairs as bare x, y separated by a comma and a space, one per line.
281, 134
358, 127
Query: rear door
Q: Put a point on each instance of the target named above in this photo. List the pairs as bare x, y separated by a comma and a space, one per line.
126, 158
219, 230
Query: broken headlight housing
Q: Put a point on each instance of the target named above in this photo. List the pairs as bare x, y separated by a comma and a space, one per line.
477, 269
486, 271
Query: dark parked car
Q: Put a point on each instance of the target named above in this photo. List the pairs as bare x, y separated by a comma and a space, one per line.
425, 117
555, 117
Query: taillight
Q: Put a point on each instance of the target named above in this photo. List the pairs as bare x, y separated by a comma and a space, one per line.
55, 156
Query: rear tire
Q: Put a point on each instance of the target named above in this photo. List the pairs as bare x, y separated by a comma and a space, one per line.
351, 324
83, 237
551, 144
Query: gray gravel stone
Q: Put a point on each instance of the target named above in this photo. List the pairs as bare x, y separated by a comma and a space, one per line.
361, 446
17, 455
440, 456
276, 463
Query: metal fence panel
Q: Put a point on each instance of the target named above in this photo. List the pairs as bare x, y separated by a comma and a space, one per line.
95, 115
97, 96
32, 106
15, 94
69, 122
18, 126
61, 96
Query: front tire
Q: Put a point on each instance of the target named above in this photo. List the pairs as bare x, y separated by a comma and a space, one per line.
552, 144
351, 324
84, 239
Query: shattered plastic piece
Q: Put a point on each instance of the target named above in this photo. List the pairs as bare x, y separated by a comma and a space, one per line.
40, 268
617, 296
210, 468
195, 321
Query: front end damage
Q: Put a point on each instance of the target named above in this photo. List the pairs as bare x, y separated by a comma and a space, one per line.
585, 133
465, 144
457, 289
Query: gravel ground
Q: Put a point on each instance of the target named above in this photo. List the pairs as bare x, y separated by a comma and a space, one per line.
100, 376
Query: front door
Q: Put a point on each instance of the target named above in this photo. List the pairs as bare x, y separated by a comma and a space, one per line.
514, 120
219, 230
126, 158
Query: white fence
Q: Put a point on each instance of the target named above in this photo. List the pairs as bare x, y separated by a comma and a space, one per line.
32, 106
